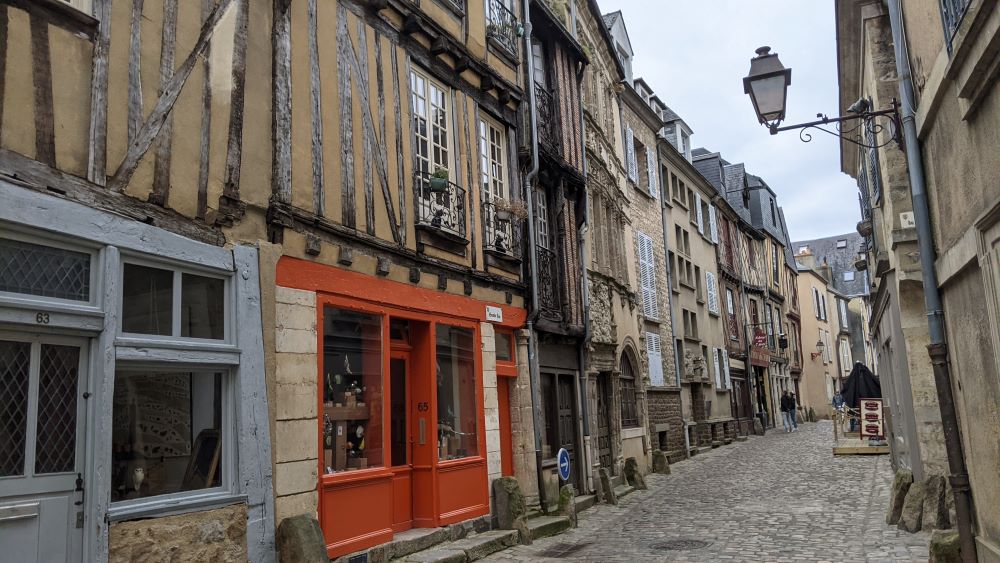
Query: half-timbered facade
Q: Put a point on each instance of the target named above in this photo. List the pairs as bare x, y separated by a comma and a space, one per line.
130, 311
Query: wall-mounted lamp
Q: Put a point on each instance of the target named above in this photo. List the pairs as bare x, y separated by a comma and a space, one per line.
820, 347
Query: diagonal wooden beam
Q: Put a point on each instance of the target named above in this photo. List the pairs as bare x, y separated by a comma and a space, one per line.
171, 90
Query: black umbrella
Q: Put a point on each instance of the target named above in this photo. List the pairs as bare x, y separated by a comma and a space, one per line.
861, 384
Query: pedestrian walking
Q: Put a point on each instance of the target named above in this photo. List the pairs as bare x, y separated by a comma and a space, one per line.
785, 405
793, 409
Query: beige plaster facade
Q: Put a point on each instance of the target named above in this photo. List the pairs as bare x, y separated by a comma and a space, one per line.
820, 370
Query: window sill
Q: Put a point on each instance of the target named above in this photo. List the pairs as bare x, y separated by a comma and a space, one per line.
681, 204
164, 507
72, 18
692, 338
632, 432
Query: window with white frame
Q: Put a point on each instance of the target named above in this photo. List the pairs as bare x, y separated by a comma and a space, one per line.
167, 302
713, 292
848, 276
493, 171
431, 123
843, 312
651, 172
654, 358
541, 219
845, 355
85, 6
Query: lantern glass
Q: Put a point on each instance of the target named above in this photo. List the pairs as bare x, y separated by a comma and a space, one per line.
768, 95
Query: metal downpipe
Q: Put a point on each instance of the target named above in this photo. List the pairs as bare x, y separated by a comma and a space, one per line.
584, 294
938, 347
529, 196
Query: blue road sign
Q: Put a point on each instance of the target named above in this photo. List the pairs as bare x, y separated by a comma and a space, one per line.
562, 459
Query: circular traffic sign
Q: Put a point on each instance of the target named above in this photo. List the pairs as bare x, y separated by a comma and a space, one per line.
562, 463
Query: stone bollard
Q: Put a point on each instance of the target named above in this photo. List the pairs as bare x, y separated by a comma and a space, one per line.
567, 502
660, 463
935, 511
511, 508
299, 539
945, 547
911, 518
609, 492
900, 485
633, 475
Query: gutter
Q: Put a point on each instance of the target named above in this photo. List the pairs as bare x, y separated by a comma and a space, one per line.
938, 347
584, 293
529, 193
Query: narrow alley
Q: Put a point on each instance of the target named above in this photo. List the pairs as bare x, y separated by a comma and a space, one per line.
780, 497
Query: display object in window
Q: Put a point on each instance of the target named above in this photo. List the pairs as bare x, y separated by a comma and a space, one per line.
456, 393
167, 433
352, 390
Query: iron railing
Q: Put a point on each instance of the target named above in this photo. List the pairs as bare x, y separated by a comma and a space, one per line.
503, 27
952, 12
549, 303
549, 133
501, 235
441, 208
456, 5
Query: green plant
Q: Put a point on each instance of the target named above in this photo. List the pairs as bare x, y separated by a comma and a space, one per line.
511, 207
440, 172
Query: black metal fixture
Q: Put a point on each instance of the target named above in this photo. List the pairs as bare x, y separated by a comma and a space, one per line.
767, 85
820, 348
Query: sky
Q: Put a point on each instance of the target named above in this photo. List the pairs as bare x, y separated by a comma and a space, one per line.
695, 53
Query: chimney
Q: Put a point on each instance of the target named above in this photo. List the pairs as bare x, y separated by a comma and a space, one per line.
806, 258
826, 271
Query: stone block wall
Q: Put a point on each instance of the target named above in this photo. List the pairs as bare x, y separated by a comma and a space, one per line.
212, 535
521, 422
490, 403
296, 460
665, 409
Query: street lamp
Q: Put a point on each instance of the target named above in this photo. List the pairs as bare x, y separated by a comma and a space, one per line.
820, 347
767, 85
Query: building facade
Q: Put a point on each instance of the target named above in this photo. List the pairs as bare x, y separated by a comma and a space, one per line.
822, 369
956, 115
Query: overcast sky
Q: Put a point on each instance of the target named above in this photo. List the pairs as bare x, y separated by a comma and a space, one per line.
695, 53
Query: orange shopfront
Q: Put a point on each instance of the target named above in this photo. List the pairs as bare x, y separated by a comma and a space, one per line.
401, 403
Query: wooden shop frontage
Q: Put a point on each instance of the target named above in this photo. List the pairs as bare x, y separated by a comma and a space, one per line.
403, 438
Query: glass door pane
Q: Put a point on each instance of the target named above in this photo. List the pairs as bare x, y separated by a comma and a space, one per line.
399, 412
15, 371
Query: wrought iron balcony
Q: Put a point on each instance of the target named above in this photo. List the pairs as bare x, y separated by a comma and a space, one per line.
439, 204
952, 13
549, 302
501, 235
549, 133
503, 27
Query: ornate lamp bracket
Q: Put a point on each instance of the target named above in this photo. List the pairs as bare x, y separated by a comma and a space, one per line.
854, 127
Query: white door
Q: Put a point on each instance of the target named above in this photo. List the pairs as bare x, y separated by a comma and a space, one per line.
42, 413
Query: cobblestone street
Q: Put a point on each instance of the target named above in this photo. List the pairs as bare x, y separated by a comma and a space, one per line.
781, 497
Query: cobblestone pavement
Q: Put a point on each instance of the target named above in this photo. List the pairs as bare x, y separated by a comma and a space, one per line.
780, 497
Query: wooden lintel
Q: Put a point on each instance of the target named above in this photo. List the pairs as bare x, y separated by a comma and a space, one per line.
461, 63
411, 24
503, 95
486, 82
439, 45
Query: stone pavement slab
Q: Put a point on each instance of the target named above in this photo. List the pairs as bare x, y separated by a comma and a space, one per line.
780, 497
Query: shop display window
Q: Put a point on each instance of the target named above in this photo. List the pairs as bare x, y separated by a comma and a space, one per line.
167, 432
147, 297
352, 390
456, 393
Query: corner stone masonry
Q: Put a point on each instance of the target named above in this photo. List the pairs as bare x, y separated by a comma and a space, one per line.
213, 535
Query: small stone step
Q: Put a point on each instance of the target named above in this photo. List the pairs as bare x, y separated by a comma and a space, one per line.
440, 554
742, 438
583, 502
623, 490
478, 546
545, 526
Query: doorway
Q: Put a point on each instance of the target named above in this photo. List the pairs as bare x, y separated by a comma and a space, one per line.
42, 439
401, 442
605, 453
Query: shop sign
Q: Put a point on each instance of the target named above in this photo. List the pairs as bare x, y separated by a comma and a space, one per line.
562, 459
759, 338
872, 423
494, 314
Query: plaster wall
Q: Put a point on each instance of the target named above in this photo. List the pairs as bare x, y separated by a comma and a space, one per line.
816, 371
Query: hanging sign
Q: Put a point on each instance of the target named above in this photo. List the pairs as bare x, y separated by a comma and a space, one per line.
562, 460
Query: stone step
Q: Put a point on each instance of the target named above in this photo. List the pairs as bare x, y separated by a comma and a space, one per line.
545, 526
622, 490
583, 502
472, 548
417, 539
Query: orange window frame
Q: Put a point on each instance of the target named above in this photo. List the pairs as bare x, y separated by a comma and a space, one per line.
507, 368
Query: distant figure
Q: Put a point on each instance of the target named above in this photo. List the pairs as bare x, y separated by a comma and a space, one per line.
786, 416
794, 410
838, 401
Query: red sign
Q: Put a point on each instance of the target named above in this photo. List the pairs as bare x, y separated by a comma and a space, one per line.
759, 338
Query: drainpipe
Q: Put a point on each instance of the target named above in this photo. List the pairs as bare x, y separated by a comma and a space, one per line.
584, 292
938, 348
529, 193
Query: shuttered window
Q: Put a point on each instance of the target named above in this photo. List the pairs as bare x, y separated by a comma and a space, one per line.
718, 371
630, 164
647, 275
725, 367
655, 359
701, 218
712, 226
713, 293
654, 186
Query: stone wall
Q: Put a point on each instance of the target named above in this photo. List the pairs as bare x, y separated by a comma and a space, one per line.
665, 419
213, 535
522, 423
490, 404
296, 423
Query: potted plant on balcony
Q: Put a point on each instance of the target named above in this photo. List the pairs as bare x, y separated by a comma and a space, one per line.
439, 179
509, 209
865, 227
860, 262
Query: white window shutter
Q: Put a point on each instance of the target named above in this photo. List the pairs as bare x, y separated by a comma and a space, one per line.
718, 372
654, 188
713, 227
655, 358
725, 360
713, 292
647, 275
630, 164
701, 220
